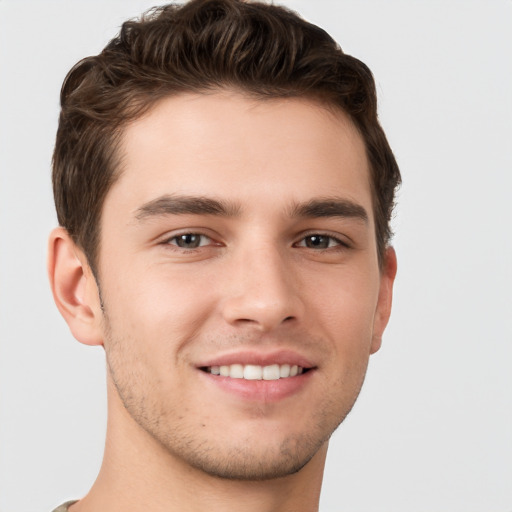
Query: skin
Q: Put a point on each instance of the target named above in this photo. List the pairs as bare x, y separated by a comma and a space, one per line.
269, 275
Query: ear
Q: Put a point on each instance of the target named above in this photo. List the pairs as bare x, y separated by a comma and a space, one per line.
74, 288
383, 311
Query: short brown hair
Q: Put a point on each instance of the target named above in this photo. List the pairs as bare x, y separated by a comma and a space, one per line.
264, 50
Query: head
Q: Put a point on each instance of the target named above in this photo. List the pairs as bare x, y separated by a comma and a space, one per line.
224, 181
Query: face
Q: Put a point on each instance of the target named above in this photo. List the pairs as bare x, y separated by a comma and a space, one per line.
240, 280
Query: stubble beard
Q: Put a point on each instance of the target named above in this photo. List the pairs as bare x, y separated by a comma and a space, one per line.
242, 460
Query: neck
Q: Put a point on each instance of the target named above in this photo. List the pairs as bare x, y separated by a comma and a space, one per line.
139, 474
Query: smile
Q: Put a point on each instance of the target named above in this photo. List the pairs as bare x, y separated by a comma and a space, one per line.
256, 372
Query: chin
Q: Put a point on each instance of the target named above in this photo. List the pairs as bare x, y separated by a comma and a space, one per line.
253, 463
256, 455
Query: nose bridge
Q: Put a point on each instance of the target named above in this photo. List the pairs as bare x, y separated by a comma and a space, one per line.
262, 291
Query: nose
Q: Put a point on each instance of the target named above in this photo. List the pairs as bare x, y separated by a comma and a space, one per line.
262, 291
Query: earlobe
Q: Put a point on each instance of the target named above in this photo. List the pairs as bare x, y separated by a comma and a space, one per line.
385, 299
74, 288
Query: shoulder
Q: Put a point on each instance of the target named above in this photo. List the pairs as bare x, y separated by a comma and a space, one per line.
64, 506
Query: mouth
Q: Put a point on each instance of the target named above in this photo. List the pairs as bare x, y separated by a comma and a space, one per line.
256, 372
258, 376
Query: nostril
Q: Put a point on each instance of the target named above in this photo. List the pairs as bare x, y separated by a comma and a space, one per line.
255, 309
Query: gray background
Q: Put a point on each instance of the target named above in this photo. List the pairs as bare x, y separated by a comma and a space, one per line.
432, 430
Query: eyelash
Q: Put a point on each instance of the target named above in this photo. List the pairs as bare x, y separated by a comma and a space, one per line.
338, 244
169, 241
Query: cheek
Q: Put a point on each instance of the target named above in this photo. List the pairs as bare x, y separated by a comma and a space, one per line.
150, 318
346, 311
347, 320
157, 306
348, 330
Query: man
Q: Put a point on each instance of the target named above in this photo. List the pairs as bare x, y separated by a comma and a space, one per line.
223, 189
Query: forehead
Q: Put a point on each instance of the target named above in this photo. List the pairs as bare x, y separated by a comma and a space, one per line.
225, 145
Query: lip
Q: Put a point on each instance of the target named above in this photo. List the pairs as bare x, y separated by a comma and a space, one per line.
259, 358
261, 391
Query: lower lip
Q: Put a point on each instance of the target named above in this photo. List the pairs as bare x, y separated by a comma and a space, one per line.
260, 390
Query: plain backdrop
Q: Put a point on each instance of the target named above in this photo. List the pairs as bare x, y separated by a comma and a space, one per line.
432, 430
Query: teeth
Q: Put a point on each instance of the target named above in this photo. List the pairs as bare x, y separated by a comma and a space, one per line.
255, 372
252, 372
284, 371
271, 372
236, 371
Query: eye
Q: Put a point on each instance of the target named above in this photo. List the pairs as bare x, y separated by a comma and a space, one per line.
190, 240
318, 241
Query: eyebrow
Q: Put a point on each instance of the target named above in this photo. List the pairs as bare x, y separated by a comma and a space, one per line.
183, 205
199, 205
330, 207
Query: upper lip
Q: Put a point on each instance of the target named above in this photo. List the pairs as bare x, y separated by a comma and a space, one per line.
258, 358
